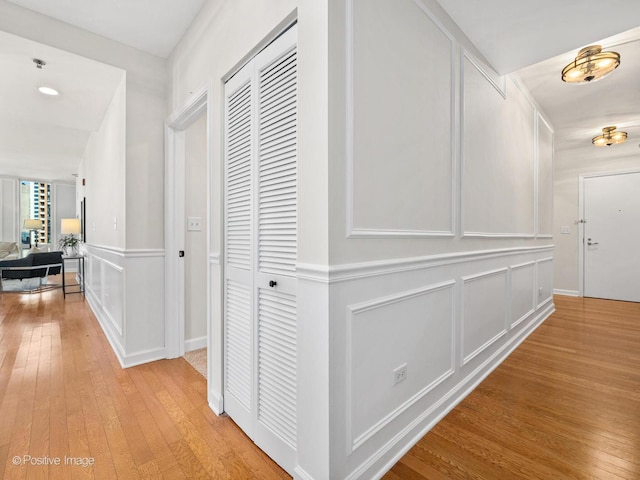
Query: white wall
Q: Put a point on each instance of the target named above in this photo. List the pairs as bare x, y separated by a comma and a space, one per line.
569, 165
103, 170
196, 241
417, 219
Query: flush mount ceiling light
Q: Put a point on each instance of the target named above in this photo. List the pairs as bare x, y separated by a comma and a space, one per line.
48, 91
591, 64
610, 136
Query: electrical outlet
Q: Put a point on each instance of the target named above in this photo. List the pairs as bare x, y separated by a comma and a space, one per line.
400, 374
194, 224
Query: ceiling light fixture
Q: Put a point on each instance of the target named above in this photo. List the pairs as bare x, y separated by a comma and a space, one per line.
610, 136
591, 64
48, 91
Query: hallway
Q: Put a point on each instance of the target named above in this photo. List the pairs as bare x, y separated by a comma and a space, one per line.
565, 404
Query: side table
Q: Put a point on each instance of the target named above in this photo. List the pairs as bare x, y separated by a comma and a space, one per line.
80, 283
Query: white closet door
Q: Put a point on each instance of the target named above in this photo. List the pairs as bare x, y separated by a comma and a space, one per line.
238, 287
261, 310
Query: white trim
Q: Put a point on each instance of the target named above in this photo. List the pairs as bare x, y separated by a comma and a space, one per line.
496, 235
468, 279
566, 293
214, 259
359, 232
486, 73
175, 125
514, 323
216, 402
128, 253
354, 443
195, 343
345, 272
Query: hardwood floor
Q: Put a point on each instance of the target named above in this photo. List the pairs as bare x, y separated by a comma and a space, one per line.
63, 394
565, 404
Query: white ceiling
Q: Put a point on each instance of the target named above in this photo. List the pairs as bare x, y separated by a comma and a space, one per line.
44, 137
40, 136
513, 34
153, 26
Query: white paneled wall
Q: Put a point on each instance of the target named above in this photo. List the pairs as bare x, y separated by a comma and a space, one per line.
447, 320
400, 150
124, 285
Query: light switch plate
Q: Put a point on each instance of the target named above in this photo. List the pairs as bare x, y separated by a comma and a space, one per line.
565, 230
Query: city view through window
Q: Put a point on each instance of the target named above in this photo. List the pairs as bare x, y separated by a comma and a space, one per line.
35, 203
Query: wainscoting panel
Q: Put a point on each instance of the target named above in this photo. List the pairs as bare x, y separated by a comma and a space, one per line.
113, 294
422, 322
545, 281
442, 322
123, 288
484, 311
523, 304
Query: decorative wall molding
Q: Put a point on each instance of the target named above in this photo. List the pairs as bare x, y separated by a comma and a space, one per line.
346, 272
515, 268
354, 311
467, 281
499, 82
353, 231
383, 459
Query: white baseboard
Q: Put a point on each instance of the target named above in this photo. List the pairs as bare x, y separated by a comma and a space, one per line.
126, 360
216, 402
195, 344
566, 293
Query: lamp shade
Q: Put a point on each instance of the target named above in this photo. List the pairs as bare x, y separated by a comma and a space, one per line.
70, 226
32, 224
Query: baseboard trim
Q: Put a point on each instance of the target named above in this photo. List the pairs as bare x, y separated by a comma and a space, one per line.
216, 402
566, 293
125, 359
195, 344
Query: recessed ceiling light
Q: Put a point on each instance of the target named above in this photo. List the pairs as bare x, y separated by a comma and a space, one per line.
48, 91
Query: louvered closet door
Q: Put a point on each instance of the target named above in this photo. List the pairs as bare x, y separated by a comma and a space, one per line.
261, 299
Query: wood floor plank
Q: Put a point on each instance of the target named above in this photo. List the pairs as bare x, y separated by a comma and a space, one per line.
565, 404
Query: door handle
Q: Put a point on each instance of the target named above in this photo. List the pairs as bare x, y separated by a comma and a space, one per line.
272, 283
589, 242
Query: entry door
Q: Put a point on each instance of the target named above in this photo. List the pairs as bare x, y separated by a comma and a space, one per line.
611, 235
261, 249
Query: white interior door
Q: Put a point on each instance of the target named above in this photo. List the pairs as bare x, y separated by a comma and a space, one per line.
261, 249
611, 232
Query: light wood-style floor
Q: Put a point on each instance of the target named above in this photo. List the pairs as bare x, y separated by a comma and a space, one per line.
566, 404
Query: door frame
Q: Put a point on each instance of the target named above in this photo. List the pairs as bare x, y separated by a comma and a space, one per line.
199, 103
583, 220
